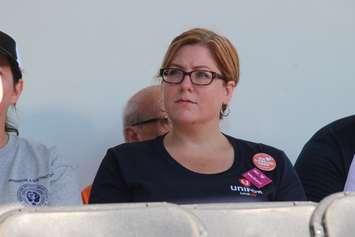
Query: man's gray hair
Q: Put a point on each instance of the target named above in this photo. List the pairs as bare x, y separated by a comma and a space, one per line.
134, 110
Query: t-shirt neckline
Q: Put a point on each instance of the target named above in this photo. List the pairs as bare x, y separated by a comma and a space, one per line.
231, 170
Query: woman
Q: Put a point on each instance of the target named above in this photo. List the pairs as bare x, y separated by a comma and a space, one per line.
195, 162
30, 173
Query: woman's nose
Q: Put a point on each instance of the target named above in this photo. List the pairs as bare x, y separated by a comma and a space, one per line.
186, 82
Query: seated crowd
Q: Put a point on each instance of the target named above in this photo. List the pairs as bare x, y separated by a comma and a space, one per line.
174, 150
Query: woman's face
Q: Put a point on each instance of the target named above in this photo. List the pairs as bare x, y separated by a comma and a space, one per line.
10, 93
187, 103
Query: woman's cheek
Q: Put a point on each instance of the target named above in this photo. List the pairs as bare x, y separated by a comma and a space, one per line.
1, 90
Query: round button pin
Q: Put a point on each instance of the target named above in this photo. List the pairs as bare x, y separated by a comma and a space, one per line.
264, 162
244, 182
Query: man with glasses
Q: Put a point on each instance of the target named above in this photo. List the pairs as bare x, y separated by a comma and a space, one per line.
144, 116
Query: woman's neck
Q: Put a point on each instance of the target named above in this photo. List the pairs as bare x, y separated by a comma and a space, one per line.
202, 149
197, 134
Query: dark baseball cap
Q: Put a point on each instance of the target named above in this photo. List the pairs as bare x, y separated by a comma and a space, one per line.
8, 49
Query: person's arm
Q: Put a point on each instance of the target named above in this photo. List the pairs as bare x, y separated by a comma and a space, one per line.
320, 167
109, 186
64, 188
290, 187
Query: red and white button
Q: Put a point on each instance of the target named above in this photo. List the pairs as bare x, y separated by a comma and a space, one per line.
264, 162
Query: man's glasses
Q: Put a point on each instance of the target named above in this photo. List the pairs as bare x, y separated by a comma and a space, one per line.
198, 77
162, 121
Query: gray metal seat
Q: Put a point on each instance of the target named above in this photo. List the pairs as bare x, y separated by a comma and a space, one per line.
335, 216
125, 220
289, 219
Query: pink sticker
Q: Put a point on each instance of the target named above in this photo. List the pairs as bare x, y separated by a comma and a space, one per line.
257, 178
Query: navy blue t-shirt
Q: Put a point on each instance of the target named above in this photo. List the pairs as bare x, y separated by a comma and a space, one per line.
145, 172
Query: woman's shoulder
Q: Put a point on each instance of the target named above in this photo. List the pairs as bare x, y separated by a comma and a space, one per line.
27, 143
253, 145
32, 149
135, 154
138, 148
254, 148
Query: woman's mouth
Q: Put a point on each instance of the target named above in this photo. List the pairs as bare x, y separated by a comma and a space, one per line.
183, 101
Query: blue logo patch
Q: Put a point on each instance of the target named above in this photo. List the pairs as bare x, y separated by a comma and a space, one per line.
33, 194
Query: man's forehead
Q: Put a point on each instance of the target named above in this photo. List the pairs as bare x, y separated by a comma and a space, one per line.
154, 109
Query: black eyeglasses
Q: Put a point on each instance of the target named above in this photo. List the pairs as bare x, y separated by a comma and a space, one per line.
197, 77
162, 121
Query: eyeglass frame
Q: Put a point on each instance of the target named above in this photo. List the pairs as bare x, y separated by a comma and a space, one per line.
215, 75
151, 120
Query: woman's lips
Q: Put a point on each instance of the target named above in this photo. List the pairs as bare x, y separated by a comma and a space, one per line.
185, 101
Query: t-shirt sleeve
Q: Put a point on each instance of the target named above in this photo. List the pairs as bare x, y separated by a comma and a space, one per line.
64, 187
319, 167
290, 187
109, 186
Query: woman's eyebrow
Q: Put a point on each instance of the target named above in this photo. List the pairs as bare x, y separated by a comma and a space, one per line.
195, 67
175, 65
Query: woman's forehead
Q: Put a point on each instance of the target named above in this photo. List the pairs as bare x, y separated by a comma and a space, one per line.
194, 56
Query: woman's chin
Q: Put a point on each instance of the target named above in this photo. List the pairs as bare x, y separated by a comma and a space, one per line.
185, 121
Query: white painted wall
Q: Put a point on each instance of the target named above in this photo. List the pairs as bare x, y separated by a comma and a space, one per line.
82, 59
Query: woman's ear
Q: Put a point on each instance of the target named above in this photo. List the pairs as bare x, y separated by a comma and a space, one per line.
17, 91
229, 88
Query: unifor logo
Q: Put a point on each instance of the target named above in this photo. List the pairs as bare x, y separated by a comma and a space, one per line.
246, 191
33, 194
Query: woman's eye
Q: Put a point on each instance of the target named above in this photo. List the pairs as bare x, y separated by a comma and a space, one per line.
173, 72
202, 75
